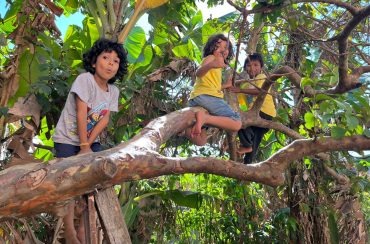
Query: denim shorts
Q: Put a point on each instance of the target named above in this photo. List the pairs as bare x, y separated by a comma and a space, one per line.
215, 106
67, 150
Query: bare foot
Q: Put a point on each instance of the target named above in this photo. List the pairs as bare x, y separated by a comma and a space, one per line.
197, 128
242, 150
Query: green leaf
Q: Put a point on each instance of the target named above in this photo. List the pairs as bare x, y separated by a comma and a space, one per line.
3, 111
352, 122
314, 55
91, 30
321, 97
333, 229
72, 4
130, 210
338, 132
306, 81
135, 43
326, 107
258, 20
185, 198
183, 51
367, 133
293, 23
197, 20
345, 106
310, 120
274, 15
73, 36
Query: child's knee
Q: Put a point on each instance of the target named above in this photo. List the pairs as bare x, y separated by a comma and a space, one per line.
237, 126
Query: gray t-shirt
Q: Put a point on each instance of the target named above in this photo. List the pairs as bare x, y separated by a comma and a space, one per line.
98, 103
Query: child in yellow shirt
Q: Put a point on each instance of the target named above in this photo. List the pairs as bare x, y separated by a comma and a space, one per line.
207, 92
251, 137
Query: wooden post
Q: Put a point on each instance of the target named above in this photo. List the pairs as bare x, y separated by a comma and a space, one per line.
93, 233
112, 219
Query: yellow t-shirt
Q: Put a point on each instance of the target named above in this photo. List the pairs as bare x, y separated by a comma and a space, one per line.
209, 84
268, 106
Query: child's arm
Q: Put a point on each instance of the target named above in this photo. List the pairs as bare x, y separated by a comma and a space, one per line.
81, 108
210, 62
249, 91
228, 83
99, 127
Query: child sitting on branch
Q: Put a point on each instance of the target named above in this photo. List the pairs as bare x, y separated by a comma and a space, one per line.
207, 92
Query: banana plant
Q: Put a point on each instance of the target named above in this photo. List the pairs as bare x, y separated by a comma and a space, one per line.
110, 15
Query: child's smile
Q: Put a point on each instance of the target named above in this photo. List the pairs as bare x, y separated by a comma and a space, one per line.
253, 68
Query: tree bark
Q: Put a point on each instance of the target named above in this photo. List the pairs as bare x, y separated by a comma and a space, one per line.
38, 187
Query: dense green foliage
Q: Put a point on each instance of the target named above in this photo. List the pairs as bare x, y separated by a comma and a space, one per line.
206, 208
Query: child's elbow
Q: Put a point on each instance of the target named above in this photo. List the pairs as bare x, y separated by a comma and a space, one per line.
198, 73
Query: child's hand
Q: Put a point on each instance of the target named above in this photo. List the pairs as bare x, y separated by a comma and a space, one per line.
218, 62
227, 85
234, 89
84, 150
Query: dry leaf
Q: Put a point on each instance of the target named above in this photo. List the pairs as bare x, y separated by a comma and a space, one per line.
25, 107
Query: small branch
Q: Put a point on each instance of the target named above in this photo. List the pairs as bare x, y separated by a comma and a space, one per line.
240, 9
351, 25
51, 149
341, 179
353, 10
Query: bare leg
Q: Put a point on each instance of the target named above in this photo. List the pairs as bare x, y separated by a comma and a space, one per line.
70, 234
221, 122
81, 230
197, 128
80, 213
242, 150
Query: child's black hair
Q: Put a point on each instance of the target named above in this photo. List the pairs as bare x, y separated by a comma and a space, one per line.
212, 45
105, 45
253, 57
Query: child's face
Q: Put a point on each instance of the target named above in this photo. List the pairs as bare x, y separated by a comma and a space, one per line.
106, 66
253, 68
222, 49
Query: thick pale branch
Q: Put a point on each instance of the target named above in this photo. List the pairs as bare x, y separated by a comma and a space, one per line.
307, 147
35, 188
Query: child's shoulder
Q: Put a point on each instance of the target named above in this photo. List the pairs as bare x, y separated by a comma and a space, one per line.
262, 75
113, 88
84, 80
208, 59
85, 77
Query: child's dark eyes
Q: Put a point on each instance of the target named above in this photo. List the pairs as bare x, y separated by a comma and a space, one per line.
108, 58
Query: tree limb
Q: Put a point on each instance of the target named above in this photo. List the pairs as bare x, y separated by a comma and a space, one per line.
38, 187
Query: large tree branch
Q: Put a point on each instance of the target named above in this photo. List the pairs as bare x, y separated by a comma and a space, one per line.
307, 147
36, 188
346, 81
